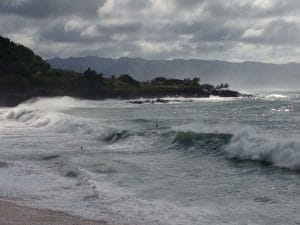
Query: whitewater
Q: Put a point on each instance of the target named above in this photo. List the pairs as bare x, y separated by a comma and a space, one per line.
189, 161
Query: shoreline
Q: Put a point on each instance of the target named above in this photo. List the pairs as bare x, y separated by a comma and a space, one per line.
13, 99
13, 214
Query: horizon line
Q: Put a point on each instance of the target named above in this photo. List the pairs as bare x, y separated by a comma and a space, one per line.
172, 59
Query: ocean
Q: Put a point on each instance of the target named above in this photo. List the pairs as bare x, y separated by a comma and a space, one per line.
186, 162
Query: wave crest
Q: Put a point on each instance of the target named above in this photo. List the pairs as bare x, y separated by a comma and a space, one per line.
244, 145
249, 146
64, 123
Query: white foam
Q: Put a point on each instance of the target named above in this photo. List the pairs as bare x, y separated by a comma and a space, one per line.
277, 96
57, 104
248, 145
32, 116
283, 109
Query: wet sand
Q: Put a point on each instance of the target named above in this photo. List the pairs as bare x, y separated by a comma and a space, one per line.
12, 214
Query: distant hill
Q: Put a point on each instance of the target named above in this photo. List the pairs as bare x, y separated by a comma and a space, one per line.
246, 75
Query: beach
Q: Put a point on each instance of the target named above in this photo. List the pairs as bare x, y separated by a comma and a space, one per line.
12, 214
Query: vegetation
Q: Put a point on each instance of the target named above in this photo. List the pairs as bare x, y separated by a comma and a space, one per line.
17, 59
222, 86
24, 75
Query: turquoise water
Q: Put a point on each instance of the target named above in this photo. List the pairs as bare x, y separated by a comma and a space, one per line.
209, 161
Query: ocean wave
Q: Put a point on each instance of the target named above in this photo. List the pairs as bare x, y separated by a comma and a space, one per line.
204, 141
56, 104
41, 119
234, 140
243, 144
69, 170
247, 145
279, 96
63, 123
115, 136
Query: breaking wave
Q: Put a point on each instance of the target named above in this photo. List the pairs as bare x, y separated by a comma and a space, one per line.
245, 145
48, 114
278, 152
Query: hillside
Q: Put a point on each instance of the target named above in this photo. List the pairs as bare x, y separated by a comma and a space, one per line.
24, 75
17, 59
246, 75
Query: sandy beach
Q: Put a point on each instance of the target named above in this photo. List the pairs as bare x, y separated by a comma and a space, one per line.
12, 214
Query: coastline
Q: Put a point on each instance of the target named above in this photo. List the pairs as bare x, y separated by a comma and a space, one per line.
12, 99
13, 214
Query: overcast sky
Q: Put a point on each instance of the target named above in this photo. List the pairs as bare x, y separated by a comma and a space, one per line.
233, 30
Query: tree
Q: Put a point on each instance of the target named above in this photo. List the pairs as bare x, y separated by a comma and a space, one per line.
160, 79
89, 73
94, 79
196, 81
220, 86
128, 79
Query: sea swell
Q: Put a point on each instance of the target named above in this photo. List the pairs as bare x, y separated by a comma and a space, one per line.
232, 141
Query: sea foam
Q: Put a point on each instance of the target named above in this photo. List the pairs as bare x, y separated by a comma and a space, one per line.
248, 145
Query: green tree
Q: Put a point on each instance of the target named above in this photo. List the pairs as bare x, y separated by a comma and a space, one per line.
128, 79
90, 73
196, 81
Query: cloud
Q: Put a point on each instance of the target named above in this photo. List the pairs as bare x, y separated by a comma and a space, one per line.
208, 29
44, 8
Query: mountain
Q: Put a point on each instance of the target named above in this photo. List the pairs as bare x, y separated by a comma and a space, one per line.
245, 75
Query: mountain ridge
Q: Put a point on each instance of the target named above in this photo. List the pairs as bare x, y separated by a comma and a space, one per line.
247, 74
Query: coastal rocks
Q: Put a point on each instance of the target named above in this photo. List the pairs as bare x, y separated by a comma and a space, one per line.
225, 93
159, 100
148, 101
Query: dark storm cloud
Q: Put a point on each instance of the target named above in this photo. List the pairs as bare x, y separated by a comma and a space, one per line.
58, 33
251, 9
188, 3
50, 8
206, 30
101, 33
232, 30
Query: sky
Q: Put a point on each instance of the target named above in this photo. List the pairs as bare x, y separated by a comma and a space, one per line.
231, 30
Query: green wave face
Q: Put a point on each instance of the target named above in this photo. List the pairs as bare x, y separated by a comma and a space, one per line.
210, 140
